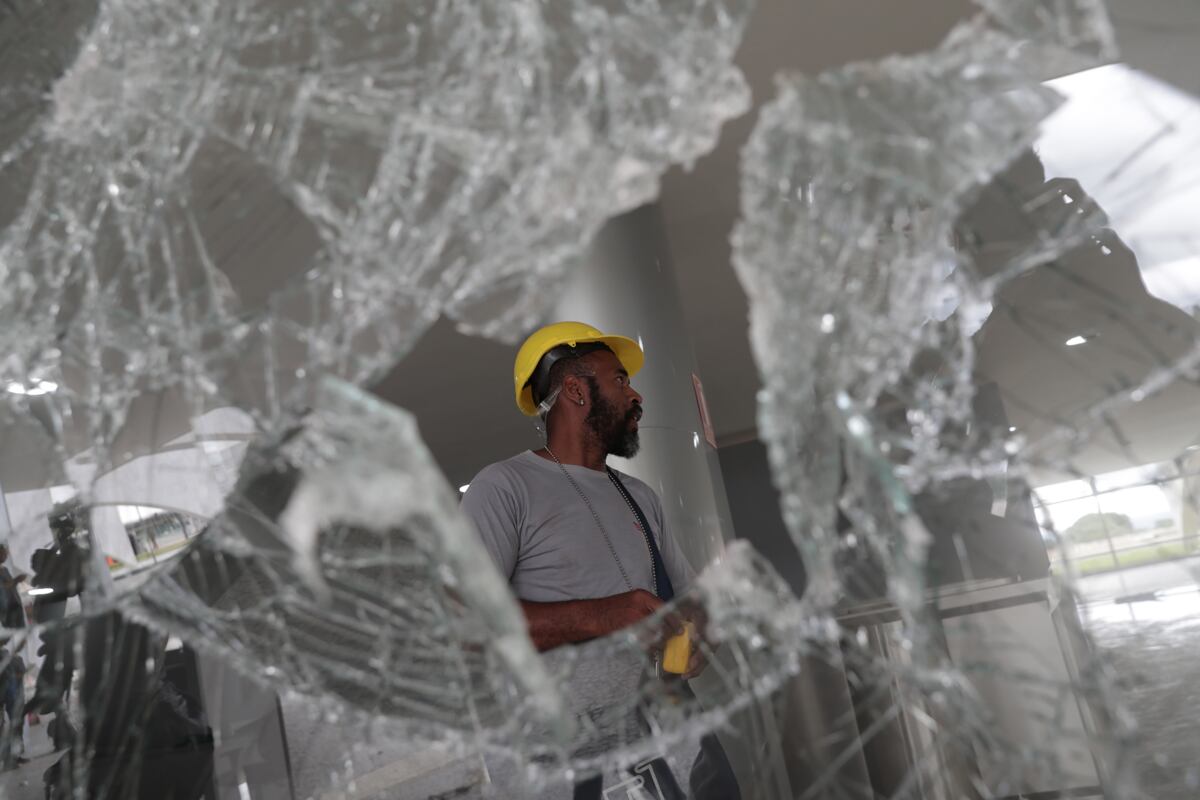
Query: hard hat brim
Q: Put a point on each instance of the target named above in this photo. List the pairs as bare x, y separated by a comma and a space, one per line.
627, 351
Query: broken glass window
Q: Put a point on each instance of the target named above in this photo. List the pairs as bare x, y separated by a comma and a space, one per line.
927, 248
975, 326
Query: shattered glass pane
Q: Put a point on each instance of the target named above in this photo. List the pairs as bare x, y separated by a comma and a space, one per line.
296, 578
209, 209
389, 163
975, 399
239, 575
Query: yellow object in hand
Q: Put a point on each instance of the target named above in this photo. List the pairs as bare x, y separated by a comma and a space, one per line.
678, 651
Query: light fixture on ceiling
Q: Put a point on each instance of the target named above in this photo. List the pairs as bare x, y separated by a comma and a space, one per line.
34, 388
1012, 428
1075, 341
463, 489
39, 591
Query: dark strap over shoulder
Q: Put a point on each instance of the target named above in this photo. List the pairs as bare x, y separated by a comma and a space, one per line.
662, 583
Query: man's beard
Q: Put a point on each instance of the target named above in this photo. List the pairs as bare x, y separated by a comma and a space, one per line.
611, 425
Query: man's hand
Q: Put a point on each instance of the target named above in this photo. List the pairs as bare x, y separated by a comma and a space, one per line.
623, 610
696, 617
697, 661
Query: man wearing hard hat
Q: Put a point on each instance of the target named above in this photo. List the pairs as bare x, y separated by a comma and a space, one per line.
583, 546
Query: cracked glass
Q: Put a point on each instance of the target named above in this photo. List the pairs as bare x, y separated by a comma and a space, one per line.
231, 571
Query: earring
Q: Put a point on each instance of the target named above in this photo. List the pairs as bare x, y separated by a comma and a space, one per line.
580, 402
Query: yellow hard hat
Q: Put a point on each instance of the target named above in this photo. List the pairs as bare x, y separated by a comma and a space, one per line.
571, 334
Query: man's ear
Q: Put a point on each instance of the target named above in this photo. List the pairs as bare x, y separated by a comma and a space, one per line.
573, 390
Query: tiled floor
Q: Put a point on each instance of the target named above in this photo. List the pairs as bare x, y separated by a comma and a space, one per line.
25, 781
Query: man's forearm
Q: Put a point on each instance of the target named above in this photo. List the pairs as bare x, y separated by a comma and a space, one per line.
571, 621
554, 624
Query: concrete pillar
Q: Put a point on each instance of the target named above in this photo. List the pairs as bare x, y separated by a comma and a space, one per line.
627, 286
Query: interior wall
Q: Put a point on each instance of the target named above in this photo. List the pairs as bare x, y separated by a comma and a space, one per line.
754, 506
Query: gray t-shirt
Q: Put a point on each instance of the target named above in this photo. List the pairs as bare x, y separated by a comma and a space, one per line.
545, 541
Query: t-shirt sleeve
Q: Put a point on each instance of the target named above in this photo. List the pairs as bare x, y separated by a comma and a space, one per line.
491, 504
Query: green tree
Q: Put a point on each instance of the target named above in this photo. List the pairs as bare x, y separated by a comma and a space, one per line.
1093, 527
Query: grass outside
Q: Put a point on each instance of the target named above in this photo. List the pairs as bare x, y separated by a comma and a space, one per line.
115, 566
1134, 557
163, 550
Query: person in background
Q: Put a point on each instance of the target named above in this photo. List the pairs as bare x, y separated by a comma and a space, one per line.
12, 666
12, 692
12, 611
